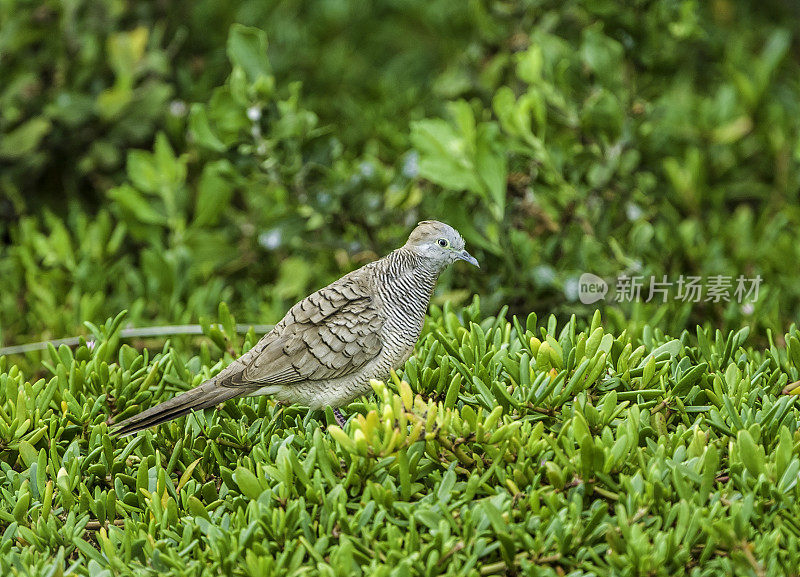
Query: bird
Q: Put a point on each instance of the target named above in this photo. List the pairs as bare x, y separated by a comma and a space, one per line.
330, 345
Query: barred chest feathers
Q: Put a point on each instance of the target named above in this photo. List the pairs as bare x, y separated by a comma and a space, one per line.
404, 287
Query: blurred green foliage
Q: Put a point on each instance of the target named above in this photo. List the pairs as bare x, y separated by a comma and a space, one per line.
80, 84
163, 158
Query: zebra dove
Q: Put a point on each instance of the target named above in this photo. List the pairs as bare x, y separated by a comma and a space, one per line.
329, 346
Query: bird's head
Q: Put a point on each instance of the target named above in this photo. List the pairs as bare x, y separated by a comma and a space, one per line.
439, 243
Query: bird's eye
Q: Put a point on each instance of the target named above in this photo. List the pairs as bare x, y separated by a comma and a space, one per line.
443, 242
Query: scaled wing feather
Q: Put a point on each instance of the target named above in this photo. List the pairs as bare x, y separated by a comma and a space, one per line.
331, 333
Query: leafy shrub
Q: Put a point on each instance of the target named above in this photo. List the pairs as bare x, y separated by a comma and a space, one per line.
501, 447
560, 138
79, 88
84, 82
660, 141
241, 192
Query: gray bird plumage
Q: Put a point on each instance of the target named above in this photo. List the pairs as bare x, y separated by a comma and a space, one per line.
329, 346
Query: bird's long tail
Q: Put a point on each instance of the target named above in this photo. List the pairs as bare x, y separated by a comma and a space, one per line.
207, 395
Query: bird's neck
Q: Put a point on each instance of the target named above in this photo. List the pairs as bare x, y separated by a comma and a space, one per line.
413, 279
407, 262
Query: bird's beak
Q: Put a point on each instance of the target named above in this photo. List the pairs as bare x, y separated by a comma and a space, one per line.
464, 255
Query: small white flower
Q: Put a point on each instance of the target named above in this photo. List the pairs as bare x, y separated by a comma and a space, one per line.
544, 275
254, 113
177, 108
90, 345
633, 211
324, 199
411, 165
366, 169
571, 289
271, 239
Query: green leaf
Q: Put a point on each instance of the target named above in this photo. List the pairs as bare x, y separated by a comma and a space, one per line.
89, 551
200, 129
342, 439
490, 162
751, 454
187, 474
126, 49
24, 139
171, 169
446, 486
247, 482
442, 155
129, 199
672, 347
214, 192
689, 379
143, 172
28, 453
601, 54
789, 479
495, 518
783, 452
247, 48
462, 114
112, 102
20, 511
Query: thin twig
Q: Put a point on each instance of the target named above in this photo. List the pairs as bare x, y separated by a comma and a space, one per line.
129, 333
95, 525
787, 390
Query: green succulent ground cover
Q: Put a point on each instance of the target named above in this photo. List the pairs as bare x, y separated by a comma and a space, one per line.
521, 447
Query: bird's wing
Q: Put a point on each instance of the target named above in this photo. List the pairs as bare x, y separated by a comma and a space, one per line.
331, 333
